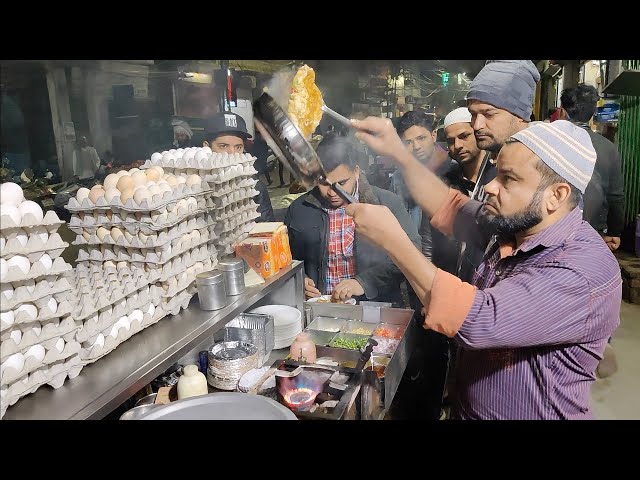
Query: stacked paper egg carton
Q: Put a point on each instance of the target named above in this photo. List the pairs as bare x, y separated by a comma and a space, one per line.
142, 241
230, 199
37, 334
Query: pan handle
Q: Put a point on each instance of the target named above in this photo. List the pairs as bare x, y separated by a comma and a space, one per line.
343, 193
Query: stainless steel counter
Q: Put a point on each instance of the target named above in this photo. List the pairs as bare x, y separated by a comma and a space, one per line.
103, 386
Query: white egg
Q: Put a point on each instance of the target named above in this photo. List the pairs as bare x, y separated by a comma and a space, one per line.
114, 330
12, 211
11, 194
102, 233
60, 345
151, 309
36, 351
4, 269
165, 187
96, 193
168, 158
141, 195
206, 150
155, 157
21, 262
45, 261
53, 305
171, 180
136, 315
133, 170
16, 336
99, 341
122, 173
109, 264
7, 290
181, 180
22, 237
139, 177
81, 194
110, 181
111, 195
193, 180
127, 236
7, 317
15, 361
30, 310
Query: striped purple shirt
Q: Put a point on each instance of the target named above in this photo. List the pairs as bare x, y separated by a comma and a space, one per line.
539, 322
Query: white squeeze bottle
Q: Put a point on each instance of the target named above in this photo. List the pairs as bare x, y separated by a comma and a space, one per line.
192, 383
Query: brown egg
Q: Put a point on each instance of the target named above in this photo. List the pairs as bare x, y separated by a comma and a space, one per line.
172, 181
116, 233
95, 193
139, 178
125, 183
153, 174
126, 194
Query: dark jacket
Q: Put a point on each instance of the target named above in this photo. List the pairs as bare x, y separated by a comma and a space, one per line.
308, 226
264, 202
604, 195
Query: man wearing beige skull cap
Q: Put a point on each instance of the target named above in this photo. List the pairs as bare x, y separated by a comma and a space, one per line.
533, 324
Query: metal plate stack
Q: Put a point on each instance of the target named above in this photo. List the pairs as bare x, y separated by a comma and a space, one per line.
228, 361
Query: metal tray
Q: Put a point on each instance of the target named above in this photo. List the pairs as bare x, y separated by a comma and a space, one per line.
327, 324
321, 337
229, 351
358, 328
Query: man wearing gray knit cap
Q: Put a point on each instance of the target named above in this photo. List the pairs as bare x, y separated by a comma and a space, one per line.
500, 100
533, 323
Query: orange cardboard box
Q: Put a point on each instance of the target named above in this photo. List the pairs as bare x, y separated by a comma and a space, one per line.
277, 231
260, 254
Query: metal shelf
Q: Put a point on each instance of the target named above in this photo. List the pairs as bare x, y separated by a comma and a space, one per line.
103, 386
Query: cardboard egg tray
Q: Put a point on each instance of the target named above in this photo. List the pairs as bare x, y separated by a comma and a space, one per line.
237, 221
90, 353
186, 279
35, 248
14, 274
227, 187
103, 322
219, 175
227, 238
31, 363
133, 294
155, 239
95, 270
58, 286
158, 255
186, 260
156, 202
51, 222
146, 223
216, 203
54, 375
64, 307
235, 208
210, 161
113, 280
66, 328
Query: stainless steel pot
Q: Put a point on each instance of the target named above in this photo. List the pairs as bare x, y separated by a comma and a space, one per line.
293, 149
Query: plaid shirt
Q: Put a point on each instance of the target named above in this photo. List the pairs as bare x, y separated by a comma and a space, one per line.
341, 262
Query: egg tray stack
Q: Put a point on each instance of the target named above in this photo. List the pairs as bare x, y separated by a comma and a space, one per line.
37, 333
231, 199
137, 263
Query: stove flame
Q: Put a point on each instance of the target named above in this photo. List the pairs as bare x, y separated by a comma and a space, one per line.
300, 398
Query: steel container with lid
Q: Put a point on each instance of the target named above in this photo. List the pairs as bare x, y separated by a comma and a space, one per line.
233, 269
211, 290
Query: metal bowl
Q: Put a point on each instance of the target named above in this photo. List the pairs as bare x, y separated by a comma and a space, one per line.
138, 412
147, 400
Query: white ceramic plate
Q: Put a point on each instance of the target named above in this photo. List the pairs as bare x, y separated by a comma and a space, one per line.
283, 315
327, 299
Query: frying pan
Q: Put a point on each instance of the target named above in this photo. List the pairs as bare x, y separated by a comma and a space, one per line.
288, 143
